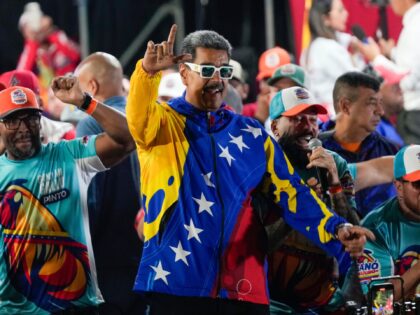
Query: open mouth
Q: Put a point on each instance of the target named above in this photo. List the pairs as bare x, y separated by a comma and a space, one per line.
24, 140
214, 89
303, 141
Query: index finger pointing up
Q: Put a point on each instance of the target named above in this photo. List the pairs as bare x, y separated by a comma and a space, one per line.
171, 39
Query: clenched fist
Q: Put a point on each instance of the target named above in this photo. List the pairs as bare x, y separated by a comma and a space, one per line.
67, 90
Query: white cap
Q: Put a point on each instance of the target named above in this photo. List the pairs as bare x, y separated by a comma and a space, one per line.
292, 101
238, 71
171, 86
31, 16
407, 163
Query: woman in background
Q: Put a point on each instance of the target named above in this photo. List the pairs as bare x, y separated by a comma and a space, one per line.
327, 56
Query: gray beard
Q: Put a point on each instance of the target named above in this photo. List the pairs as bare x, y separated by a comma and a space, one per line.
22, 155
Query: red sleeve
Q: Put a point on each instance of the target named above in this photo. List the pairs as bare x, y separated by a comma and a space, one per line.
28, 57
249, 110
65, 45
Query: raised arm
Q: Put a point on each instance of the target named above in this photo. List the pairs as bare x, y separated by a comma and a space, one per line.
115, 143
374, 172
305, 212
144, 115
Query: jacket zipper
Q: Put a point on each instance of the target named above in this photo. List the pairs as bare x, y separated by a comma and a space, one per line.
222, 206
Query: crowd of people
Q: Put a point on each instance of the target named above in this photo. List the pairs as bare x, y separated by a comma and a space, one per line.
175, 193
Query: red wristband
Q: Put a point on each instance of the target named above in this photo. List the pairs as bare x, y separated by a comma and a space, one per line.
335, 189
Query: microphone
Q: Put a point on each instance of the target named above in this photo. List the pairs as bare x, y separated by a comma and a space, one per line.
321, 173
359, 33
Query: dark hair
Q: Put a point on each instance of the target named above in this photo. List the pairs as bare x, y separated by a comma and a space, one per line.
347, 84
205, 39
319, 10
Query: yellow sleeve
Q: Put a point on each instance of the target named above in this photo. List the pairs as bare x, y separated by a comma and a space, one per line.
144, 113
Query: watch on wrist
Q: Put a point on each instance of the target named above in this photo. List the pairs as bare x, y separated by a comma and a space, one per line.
338, 227
86, 102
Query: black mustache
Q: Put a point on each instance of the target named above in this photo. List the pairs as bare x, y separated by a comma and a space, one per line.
214, 87
24, 137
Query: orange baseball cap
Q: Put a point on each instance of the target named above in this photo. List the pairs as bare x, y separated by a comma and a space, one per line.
270, 60
17, 98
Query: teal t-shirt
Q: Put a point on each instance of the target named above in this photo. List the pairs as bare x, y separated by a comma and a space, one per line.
46, 258
353, 170
397, 245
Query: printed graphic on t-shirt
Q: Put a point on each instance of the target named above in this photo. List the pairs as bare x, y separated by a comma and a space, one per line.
44, 263
369, 266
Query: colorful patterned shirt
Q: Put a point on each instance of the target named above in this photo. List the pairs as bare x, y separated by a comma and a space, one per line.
46, 255
199, 171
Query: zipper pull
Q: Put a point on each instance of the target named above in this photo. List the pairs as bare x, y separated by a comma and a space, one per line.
210, 120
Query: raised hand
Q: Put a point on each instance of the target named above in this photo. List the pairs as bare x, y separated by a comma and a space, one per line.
369, 50
386, 46
319, 157
161, 56
67, 90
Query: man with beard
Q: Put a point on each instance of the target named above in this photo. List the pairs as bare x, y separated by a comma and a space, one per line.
204, 250
396, 224
51, 130
301, 275
47, 263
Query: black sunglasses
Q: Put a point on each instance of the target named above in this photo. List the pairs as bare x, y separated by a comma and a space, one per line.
32, 120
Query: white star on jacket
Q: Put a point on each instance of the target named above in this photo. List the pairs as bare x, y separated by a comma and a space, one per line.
225, 154
180, 253
160, 273
256, 132
204, 204
239, 142
207, 179
193, 231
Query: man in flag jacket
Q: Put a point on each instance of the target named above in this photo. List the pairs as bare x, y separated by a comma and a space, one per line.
201, 164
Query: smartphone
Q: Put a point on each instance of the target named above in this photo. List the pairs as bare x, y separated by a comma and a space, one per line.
381, 299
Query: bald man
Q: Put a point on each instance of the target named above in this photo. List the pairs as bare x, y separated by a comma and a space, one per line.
113, 197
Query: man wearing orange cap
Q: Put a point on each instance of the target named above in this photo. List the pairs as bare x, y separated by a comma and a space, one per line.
396, 225
300, 273
269, 61
51, 131
47, 263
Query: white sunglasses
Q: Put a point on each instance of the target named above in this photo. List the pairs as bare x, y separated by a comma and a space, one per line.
208, 71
